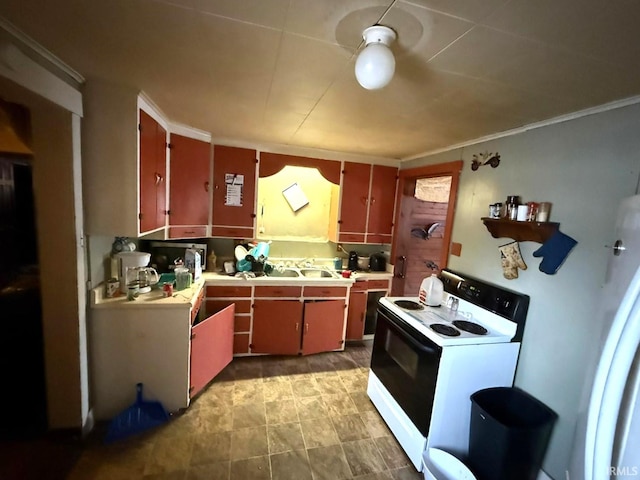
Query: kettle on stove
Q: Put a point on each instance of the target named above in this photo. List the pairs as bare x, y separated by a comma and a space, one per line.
352, 264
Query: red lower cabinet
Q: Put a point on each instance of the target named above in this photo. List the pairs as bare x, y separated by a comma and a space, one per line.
211, 348
276, 327
323, 326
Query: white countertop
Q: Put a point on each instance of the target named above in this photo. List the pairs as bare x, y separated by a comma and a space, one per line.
186, 298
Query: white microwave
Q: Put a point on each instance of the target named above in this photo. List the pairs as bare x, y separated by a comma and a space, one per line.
165, 255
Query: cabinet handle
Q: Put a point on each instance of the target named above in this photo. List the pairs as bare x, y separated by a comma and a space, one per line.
402, 273
206, 186
297, 326
306, 328
158, 179
364, 200
373, 200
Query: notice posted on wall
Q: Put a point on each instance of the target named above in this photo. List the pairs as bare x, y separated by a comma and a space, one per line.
234, 185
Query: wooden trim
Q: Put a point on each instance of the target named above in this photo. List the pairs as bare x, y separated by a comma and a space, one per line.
272, 163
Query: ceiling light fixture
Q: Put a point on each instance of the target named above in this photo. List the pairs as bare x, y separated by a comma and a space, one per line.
375, 65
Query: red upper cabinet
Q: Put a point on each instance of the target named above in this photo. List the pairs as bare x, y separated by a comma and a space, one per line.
153, 172
189, 185
368, 198
381, 204
355, 201
234, 185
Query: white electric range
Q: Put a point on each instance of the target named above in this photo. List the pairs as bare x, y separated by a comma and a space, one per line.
427, 361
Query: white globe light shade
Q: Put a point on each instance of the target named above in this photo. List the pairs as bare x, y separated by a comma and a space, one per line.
375, 66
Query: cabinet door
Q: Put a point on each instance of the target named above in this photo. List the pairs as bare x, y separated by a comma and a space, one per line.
382, 201
355, 195
356, 315
277, 327
152, 173
233, 161
189, 181
211, 348
323, 326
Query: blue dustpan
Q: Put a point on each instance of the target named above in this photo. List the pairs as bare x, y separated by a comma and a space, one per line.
140, 416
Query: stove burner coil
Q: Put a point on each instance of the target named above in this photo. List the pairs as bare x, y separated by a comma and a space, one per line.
444, 329
470, 327
408, 305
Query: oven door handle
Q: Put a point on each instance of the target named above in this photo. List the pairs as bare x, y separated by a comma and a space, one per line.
433, 350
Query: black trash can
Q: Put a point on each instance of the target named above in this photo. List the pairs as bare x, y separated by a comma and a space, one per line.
509, 434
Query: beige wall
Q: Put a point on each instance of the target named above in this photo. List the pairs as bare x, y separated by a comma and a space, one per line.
584, 167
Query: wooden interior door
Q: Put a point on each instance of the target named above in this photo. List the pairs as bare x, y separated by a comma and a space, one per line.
415, 257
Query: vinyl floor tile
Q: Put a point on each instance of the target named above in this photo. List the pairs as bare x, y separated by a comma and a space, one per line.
265, 418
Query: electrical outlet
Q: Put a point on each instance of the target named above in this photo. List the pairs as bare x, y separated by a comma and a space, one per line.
339, 248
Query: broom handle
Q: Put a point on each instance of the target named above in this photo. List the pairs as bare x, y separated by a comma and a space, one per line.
139, 393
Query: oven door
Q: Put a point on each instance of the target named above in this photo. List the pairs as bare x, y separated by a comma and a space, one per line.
406, 363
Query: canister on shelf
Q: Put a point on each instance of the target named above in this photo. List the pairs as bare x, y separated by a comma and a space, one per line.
523, 213
533, 210
544, 210
512, 206
494, 210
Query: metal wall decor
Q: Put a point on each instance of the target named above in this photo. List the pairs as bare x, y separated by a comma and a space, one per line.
485, 158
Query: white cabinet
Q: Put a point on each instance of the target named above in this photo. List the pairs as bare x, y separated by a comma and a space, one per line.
153, 341
111, 162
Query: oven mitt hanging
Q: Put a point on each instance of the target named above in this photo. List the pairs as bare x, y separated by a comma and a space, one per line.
554, 252
511, 260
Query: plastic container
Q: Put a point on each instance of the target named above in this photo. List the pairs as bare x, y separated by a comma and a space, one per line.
183, 278
509, 434
431, 291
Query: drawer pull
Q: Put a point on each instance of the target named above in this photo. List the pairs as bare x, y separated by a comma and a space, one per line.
297, 326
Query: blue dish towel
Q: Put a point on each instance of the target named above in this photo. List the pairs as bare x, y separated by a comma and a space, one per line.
554, 252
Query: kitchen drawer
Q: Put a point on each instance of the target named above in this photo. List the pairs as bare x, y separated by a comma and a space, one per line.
378, 284
232, 232
351, 238
359, 286
273, 291
242, 323
230, 291
325, 292
242, 306
187, 232
241, 343
378, 238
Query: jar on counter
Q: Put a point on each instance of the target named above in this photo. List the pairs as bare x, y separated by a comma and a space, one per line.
512, 207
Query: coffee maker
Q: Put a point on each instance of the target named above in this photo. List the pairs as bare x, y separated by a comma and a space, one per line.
352, 264
130, 260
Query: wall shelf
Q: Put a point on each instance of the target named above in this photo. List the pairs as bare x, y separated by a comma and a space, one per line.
520, 231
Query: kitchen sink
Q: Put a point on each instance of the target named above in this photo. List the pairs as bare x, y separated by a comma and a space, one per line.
316, 273
287, 272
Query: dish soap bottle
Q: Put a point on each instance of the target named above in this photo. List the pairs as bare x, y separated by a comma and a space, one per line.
211, 261
431, 291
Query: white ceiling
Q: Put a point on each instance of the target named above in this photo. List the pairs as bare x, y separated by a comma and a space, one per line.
281, 71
